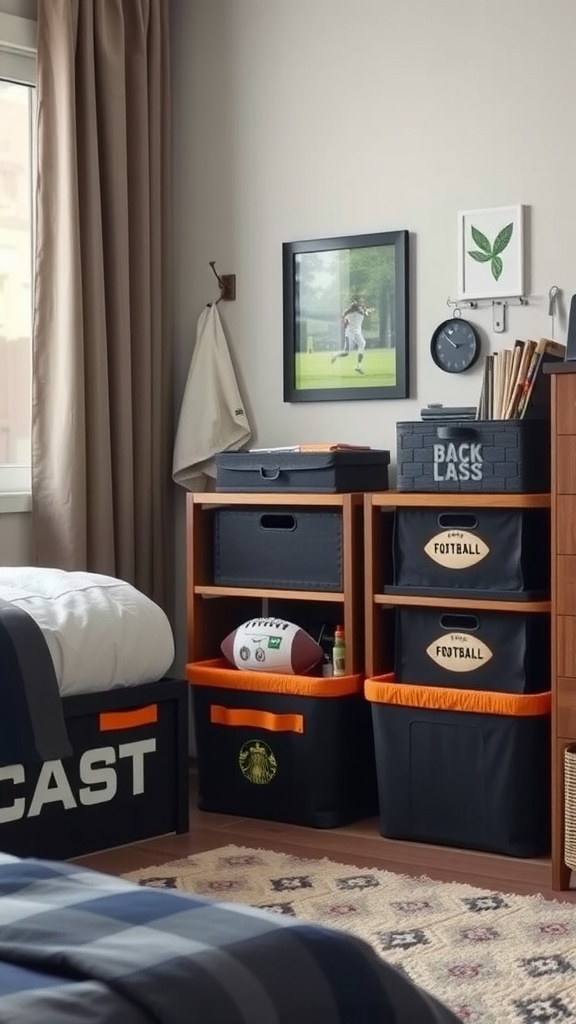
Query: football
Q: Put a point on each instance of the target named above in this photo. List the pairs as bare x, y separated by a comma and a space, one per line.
271, 645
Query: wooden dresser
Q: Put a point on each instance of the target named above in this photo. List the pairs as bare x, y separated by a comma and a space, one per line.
563, 488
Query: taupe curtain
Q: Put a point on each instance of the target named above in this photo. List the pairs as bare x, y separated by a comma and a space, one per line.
102, 398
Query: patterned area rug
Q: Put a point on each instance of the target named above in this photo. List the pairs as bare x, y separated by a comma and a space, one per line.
493, 958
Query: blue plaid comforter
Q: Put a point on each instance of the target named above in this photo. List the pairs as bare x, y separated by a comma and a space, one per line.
77, 946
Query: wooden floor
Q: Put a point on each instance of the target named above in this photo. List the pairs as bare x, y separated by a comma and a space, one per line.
359, 845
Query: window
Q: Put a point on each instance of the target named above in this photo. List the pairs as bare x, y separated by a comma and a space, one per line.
17, 81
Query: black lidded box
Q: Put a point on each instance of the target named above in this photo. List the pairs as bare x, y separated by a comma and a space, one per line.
507, 652
483, 456
289, 549
480, 552
336, 472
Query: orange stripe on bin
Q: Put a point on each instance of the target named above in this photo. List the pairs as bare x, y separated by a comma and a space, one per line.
256, 719
219, 673
113, 720
384, 690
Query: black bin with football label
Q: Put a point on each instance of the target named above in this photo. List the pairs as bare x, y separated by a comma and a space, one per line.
290, 748
463, 768
481, 552
474, 649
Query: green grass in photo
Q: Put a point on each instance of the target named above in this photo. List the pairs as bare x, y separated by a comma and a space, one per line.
315, 370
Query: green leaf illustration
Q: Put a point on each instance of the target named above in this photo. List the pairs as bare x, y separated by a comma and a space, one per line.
496, 267
480, 257
481, 241
502, 239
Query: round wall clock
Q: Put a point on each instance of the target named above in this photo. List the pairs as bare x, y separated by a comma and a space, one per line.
455, 345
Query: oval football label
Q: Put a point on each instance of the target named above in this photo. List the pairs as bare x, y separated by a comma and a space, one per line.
459, 652
456, 549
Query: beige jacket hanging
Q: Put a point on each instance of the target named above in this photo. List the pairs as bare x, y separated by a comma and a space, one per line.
212, 417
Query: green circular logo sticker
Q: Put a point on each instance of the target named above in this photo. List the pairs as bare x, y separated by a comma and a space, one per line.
257, 762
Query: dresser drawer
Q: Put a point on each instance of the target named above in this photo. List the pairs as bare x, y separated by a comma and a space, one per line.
566, 584
565, 464
566, 524
566, 645
565, 403
566, 707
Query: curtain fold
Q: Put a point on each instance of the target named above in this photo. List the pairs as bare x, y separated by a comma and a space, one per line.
102, 391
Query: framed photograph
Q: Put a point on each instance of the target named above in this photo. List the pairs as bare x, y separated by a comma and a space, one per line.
346, 318
491, 253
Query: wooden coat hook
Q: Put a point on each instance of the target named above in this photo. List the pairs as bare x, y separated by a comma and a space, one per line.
226, 283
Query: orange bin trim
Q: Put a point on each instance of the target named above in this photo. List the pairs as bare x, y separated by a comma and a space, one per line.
384, 690
218, 672
110, 721
254, 719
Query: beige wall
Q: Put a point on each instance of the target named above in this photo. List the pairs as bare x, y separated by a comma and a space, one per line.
15, 538
22, 8
321, 117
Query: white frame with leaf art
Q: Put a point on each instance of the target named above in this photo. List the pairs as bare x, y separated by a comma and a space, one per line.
491, 253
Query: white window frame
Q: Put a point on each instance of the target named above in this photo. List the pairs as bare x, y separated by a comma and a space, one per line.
17, 64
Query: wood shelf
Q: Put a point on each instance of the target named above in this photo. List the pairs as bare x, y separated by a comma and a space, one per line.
286, 595
278, 498
401, 499
462, 602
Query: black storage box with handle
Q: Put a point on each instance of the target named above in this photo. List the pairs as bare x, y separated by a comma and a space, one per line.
299, 472
483, 456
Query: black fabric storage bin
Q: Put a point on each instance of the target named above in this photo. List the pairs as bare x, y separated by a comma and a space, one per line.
473, 649
482, 552
303, 472
288, 549
127, 779
254, 762
470, 778
489, 456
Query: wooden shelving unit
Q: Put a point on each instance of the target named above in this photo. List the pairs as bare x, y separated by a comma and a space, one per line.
213, 611
378, 568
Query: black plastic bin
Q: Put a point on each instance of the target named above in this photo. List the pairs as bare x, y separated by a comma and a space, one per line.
488, 456
473, 649
335, 472
297, 749
463, 768
127, 778
481, 552
284, 548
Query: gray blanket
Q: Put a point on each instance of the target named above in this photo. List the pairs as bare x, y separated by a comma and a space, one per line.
32, 726
80, 947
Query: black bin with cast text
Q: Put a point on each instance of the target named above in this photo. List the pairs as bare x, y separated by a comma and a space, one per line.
127, 778
475, 649
477, 552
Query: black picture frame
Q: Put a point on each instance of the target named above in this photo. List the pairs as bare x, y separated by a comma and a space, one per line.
327, 357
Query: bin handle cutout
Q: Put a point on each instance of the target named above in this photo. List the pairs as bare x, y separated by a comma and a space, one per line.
277, 521
451, 433
453, 621
269, 474
254, 719
458, 521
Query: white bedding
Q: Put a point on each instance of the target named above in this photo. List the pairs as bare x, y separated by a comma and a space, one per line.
101, 631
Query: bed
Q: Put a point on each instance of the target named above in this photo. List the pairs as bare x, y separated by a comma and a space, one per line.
93, 734
80, 947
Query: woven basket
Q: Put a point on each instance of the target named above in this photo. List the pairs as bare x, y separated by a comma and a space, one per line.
570, 806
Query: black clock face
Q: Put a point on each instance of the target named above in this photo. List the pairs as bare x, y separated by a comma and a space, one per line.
455, 345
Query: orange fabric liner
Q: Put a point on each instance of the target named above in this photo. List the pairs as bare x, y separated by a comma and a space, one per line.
384, 690
256, 719
112, 720
218, 672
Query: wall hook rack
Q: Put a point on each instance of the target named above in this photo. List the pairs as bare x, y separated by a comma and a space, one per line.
226, 283
498, 308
